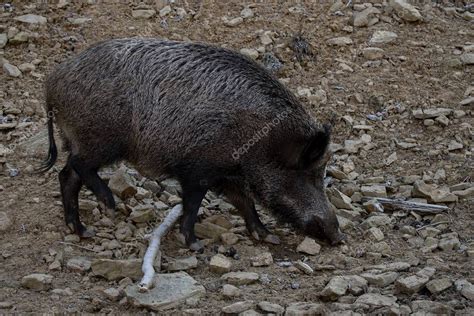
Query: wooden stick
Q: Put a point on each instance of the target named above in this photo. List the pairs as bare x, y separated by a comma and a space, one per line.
391, 204
154, 247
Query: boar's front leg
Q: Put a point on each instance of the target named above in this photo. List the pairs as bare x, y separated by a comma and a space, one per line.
192, 198
246, 207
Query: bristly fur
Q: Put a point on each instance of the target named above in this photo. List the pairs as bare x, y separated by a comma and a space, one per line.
183, 109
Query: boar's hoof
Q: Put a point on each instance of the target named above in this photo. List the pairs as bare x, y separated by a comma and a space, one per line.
197, 246
272, 239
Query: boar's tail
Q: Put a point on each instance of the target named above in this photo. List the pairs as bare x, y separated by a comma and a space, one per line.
52, 151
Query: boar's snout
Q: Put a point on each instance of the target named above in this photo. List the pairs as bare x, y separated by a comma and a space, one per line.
325, 227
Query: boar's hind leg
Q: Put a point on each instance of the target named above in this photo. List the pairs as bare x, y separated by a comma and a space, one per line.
192, 198
88, 173
70, 186
246, 207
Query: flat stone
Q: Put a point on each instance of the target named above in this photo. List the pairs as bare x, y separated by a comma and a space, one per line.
465, 288
87, 205
340, 41
306, 309
411, 284
392, 266
143, 13
182, 264
262, 260
238, 307
251, 52
423, 114
272, 308
375, 190
220, 264
467, 58
11, 70
3, 40
209, 230
373, 53
79, 264
380, 279
229, 239
240, 278
117, 269
467, 101
112, 294
309, 246
233, 22
122, 185
376, 234
383, 37
439, 285
169, 290
229, 290
405, 10
363, 18
142, 213
433, 194
37, 281
376, 300
449, 243
5, 222
339, 285
426, 307
376, 221
339, 199
31, 19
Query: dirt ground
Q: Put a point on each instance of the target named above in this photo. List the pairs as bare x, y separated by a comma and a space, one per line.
423, 68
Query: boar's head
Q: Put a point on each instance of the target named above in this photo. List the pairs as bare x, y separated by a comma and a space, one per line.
292, 185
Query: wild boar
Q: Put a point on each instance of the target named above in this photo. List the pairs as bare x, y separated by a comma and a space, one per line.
207, 116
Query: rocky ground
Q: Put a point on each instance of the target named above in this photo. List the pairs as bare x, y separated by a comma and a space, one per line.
396, 81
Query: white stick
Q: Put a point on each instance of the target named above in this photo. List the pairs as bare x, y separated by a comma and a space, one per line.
154, 247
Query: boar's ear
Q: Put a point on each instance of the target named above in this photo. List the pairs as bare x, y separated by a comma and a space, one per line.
316, 148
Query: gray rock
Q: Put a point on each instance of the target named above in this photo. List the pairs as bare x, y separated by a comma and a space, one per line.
169, 291
376, 221
240, 278
117, 269
376, 300
423, 114
272, 308
233, 22
425, 307
411, 284
376, 234
375, 190
251, 52
209, 230
339, 285
467, 101
112, 294
383, 37
143, 13
306, 309
142, 213
392, 266
339, 199
31, 19
37, 281
449, 243
78, 264
122, 185
439, 285
11, 70
467, 58
340, 41
309, 246
165, 11
373, 53
229, 239
3, 40
433, 194
262, 260
87, 205
381, 279
363, 18
406, 11
182, 264
465, 288
304, 267
79, 21
220, 264
5, 222
238, 307
246, 13
229, 290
